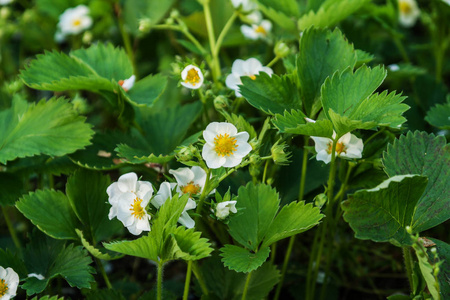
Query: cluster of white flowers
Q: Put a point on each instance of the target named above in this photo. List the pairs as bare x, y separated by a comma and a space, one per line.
9, 281
259, 28
73, 21
409, 12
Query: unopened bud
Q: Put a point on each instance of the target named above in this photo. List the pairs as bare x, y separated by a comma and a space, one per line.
279, 156
14, 87
175, 14
408, 229
87, 37
145, 25
319, 200
221, 102
281, 50
185, 153
80, 105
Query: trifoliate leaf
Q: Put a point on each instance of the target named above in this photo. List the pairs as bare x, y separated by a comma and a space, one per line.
330, 13
49, 127
12, 188
86, 191
51, 212
322, 52
271, 94
294, 122
96, 252
439, 116
427, 155
243, 260
382, 213
259, 203
291, 220
10, 260
243, 125
443, 252
42, 164
190, 245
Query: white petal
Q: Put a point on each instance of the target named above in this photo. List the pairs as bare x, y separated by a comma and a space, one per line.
186, 220
129, 83
233, 81
320, 143
232, 161
164, 193
143, 224
191, 204
182, 175
345, 139
209, 136
253, 66
249, 32
134, 230
323, 156
127, 182
213, 161
199, 176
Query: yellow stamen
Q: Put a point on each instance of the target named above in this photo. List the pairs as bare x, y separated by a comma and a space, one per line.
405, 7
192, 77
76, 22
191, 188
136, 209
340, 147
3, 288
252, 77
261, 30
225, 145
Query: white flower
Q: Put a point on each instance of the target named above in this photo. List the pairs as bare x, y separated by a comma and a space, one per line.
38, 276
4, 2
190, 181
408, 12
446, 2
223, 209
164, 193
127, 84
249, 67
192, 77
224, 146
257, 31
393, 67
129, 198
348, 146
9, 280
73, 21
255, 17
244, 5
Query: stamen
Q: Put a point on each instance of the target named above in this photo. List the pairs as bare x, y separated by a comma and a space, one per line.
405, 7
191, 188
3, 287
340, 147
252, 77
76, 22
136, 209
225, 145
261, 30
192, 77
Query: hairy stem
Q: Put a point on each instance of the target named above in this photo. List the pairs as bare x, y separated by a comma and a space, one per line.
159, 283
188, 280
247, 282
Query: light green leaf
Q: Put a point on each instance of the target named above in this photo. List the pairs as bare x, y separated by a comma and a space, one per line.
243, 260
147, 90
330, 13
343, 124
50, 211
382, 213
271, 94
427, 155
288, 7
427, 269
260, 203
295, 123
96, 252
439, 116
86, 191
243, 125
282, 20
291, 220
443, 252
322, 52
189, 245
163, 131
49, 127
12, 188
48, 298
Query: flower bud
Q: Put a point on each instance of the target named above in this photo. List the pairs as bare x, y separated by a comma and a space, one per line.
80, 105
14, 87
408, 229
145, 25
281, 50
319, 200
174, 14
279, 156
87, 37
221, 102
185, 153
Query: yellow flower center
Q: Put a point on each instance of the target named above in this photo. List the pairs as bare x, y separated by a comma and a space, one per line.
225, 145
261, 30
191, 188
340, 147
192, 77
405, 7
252, 77
136, 209
76, 22
3, 288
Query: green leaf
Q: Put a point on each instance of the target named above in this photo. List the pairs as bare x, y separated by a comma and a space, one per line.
243, 125
330, 13
443, 252
51, 258
50, 211
163, 131
242, 260
278, 17
271, 94
96, 252
427, 269
288, 7
295, 123
136, 10
12, 188
10, 260
363, 57
260, 204
426, 155
147, 90
86, 191
48, 298
438, 116
190, 245
50, 127
382, 213
108, 294
291, 220
322, 53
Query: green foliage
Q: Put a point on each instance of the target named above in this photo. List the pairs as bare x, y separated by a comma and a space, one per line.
322, 53
443, 252
438, 116
294, 122
51, 212
270, 9
51, 258
108, 294
330, 13
105, 255
162, 132
287, 7
10, 260
382, 213
427, 269
147, 90
271, 94
86, 191
49, 127
243, 260
48, 298
165, 241
11, 187
426, 155
136, 10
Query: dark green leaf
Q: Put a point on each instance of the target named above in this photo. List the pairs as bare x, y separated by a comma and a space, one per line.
438, 116
148, 90
10, 260
11, 187
443, 252
243, 260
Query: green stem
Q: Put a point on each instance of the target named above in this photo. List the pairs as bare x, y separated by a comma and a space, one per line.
159, 283
273, 61
273, 252
188, 280
223, 33
301, 191
12, 231
102, 271
126, 39
265, 171
309, 275
247, 283
185, 32
212, 40
408, 265
205, 192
